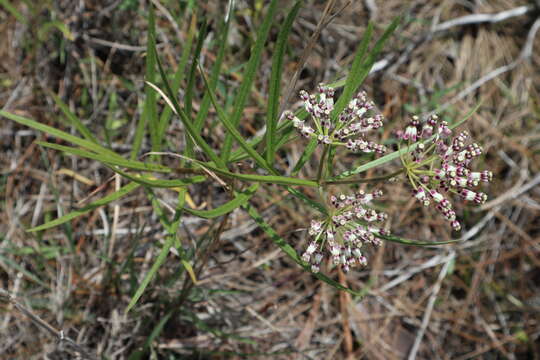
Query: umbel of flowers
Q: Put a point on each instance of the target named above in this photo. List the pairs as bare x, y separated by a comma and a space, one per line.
441, 164
348, 129
349, 225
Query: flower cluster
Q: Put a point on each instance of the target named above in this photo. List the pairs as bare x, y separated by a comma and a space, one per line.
346, 129
341, 235
441, 164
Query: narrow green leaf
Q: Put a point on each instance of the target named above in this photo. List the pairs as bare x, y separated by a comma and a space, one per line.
233, 131
106, 159
188, 98
351, 82
275, 82
289, 250
189, 150
178, 76
404, 241
315, 205
269, 179
249, 76
186, 121
81, 128
60, 134
216, 70
306, 154
22, 269
149, 114
361, 69
13, 11
75, 213
171, 227
240, 199
142, 353
152, 272
284, 131
161, 183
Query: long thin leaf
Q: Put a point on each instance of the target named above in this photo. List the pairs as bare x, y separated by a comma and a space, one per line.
289, 250
216, 70
275, 82
404, 241
75, 121
150, 103
61, 135
186, 121
179, 75
188, 98
249, 76
351, 82
162, 183
75, 213
240, 199
106, 159
306, 154
233, 131
151, 273
171, 227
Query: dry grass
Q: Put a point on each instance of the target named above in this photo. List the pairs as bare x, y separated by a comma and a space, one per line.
477, 299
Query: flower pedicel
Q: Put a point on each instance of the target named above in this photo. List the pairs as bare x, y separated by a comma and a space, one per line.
441, 164
348, 129
350, 223
342, 234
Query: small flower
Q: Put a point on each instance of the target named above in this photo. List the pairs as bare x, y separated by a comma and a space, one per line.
441, 165
343, 233
347, 129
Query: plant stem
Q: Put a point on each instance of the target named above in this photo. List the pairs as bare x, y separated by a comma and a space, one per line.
321, 164
358, 181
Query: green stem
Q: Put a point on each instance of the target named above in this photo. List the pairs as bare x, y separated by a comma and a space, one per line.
359, 181
321, 164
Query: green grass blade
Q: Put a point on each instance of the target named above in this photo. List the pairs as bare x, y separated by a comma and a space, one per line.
60, 134
269, 179
216, 70
404, 241
275, 82
249, 76
103, 201
234, 132
152, 272
178, 76
284, 130
13, 11
149, 114
142, 353
351, 82
171, 227
396, 154
240, 199
81, 128
315, 205
308, 151
106, 159
162, 183
188, 98
22, 269
360, 69
186, 121
289, 250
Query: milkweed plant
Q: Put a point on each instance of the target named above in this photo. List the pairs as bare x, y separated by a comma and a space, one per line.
429, 154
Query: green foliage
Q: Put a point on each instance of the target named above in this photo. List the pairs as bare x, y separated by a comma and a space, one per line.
214, 162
